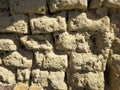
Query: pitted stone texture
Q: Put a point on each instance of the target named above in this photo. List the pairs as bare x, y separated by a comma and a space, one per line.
14, 24
7, 76
88, 81
51, 61
84, 21
40, 78
59, 5
95, 4
48, 24
87, 62
37, 42
23, 75
57, 80
28, 6
18, 59
7, 87
7, 45
21, 86
112, 3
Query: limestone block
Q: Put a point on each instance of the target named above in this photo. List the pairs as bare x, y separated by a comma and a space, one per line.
21, 86
95, 4
82, 21
55, 62
28, 6
88, 81
7, 45
59, 5
7, 76
86, 62
40, 78
57, 80
37, 42
23, 75
48, 24
112, 3
18, 59
14, 24
7, 86
35, 87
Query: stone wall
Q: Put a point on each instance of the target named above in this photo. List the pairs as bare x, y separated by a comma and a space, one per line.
59, 44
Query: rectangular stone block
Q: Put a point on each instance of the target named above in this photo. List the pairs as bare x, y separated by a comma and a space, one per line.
112, 3
14, 24
48, 24
28, 6
37, 42
59, 5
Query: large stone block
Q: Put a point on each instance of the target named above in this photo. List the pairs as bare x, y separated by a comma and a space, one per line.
14, 24
48, 24
28, 6
37, 42
59, 5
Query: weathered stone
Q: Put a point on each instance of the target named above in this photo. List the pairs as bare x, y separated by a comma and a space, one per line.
17, 59
80, 21
35, 87
112, 3
95, 4
7, 76
57, 80
28, 6
21, 86
7, 45
40, 77
1, 61
23, 75
37, 42
59, 5
55, 62
48, 24
14, 24
7, 86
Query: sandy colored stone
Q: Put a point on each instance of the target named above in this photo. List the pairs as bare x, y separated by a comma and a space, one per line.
28, 6
35, 87
21, 86
7, 76
55, 62
81, 21
37, 42
57, 80
48, 24
17, 59
14, 24
40, 77
7, 45
112, 3
60, 5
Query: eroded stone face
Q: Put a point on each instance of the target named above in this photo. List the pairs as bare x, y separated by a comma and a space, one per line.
48, 24
60, 5
28, 6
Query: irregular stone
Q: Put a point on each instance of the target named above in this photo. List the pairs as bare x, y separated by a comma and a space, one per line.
80, 21
14, 24
7, 45
35, 87
55, 62
7, 76
95, 4
86, 62
23, 75
59, 5
21, 86
48, 24
17, 59
28, 6
40, 78
57, 80
37, 42
112, 3
7, 87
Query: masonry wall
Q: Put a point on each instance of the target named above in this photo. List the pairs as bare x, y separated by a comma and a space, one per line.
59, 44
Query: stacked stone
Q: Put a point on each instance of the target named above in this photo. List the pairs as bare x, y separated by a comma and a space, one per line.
60, 44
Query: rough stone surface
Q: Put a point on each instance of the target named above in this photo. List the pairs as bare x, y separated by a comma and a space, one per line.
58, 5
59, 45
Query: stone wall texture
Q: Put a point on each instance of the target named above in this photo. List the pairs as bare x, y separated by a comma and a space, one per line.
59, 44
